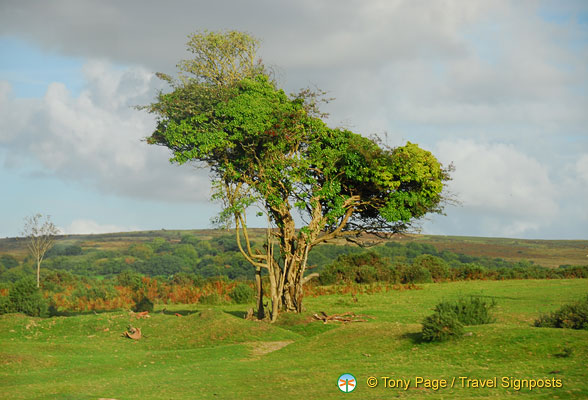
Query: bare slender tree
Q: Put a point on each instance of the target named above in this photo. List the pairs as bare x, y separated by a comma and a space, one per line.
41, 236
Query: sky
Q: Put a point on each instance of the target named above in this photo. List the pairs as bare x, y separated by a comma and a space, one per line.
497, 88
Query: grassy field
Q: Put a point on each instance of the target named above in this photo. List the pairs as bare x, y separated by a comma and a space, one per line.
211, 352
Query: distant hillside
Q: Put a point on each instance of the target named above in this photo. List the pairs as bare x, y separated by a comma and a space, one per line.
548, 253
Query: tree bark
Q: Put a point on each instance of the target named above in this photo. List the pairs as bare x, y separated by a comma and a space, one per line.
293, 292
38, 272
259, 286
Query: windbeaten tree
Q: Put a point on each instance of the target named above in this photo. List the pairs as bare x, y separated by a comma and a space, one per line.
266, 148
40, 235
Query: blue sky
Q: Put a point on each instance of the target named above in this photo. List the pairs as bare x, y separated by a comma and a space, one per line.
29, 69
498, 88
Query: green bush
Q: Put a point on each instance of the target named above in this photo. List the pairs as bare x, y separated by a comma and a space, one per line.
103, 292
366, 267
5, 305
130, 279
365, 274
441, 326
328, 276
73, 250
26, 298
569, 316
450, 317
469, 311
8, 261
212, 299
415, 274
144, 304
436, 266
17, 273
186, 279
242, 294
471, 272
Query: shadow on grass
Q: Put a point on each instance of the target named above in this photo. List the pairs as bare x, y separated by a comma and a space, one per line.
180, 312
98, 312
414, 337
238, 314
496, 297
53, 313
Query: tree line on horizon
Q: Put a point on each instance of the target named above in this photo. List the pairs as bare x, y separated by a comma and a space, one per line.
220, 256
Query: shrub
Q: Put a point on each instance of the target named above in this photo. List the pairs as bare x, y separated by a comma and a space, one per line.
186, 279
94, 292
8, 261
5, 305
388, 273
436, 266
328, 276
26, 298
130, 279
335, 273
17, 273
73, 250
450, 317
469, 311
212, 298
161, 264
470, 272
143, 305
51, 280
365, 274
366, 267
140, 250
569, 316
415, 274
441, 326
242, 294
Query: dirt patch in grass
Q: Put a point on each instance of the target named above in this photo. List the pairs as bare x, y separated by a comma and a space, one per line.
7, 359
259, 349
11, 360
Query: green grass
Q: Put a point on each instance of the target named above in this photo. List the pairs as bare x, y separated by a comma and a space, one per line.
212, 353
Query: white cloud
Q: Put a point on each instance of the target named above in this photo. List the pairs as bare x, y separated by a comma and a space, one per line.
574, 194
498, 78
508, 192
582, 169
87, 226
96, 137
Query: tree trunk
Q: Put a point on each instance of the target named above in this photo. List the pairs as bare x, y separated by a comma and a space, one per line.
38, 273
259, 287
274, 275
293, 291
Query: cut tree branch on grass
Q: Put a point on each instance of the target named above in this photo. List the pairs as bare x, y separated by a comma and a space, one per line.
345, 317
140, 315
132, 333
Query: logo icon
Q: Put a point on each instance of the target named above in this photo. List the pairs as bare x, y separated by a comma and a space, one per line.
346, 383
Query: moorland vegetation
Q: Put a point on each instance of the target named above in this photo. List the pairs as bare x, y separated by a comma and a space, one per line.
186, 268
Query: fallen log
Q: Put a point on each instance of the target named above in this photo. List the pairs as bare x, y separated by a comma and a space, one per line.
142, 314
345, 317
